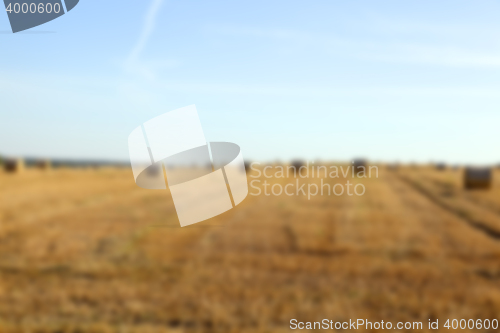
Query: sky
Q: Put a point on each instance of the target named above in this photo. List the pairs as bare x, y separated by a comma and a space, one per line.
331, 80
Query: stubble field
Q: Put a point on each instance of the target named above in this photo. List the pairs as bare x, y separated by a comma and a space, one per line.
89, 251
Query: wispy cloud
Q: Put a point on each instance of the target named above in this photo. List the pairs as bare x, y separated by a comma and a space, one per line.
133, 62
445, 49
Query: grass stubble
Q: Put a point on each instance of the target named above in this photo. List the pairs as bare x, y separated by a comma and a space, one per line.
89, 251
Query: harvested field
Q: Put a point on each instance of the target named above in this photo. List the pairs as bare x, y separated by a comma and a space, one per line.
89, 251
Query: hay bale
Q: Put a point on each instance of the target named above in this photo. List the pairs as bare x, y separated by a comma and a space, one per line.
359, 165
394, 167
209, 166
248, 165
477, 178
156, 170
42, 164
13, 165
297, 164
440, 166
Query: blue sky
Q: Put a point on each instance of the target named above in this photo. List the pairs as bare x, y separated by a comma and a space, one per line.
387, 80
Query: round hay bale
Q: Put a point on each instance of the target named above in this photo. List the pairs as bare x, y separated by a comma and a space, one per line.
477, 178
42, 164
440, 166
359, 165
248, 165
298, 166
395, 166
14, 165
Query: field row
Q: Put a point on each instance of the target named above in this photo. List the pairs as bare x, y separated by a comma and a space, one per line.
401, 252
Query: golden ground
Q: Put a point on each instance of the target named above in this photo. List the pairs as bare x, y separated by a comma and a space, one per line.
89, 251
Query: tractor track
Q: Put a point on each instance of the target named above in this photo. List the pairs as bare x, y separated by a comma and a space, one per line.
485, 205
461, 214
